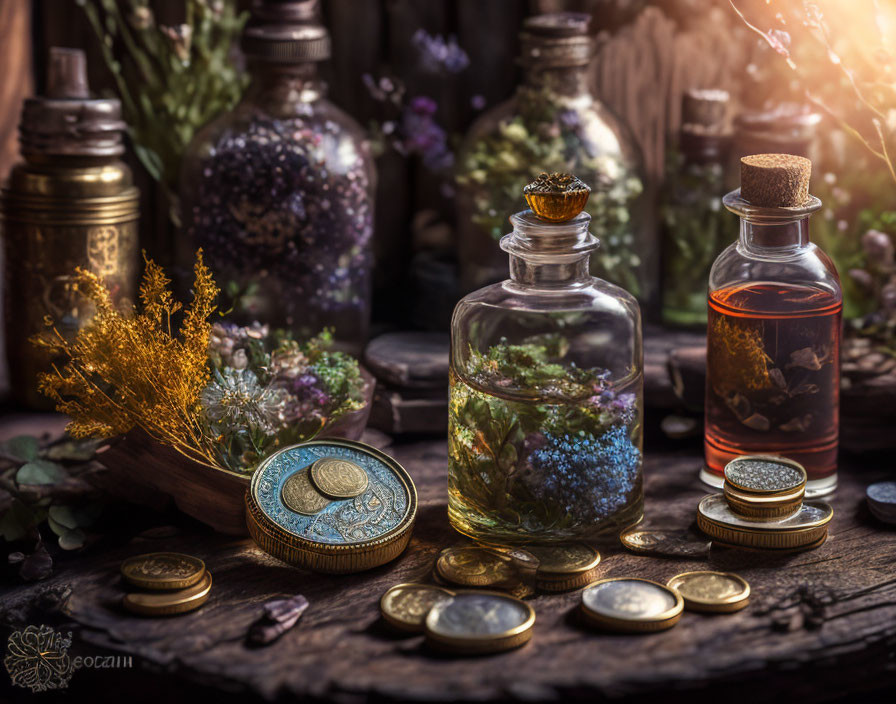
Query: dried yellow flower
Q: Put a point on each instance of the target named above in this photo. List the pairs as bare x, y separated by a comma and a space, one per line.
129, 369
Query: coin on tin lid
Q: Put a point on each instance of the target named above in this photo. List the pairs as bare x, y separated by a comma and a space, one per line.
631, 605
347, 535
765, 474
301, 496
338, 478
475, 622
169, 603
163, 570
405, 606
716, 592
474, 567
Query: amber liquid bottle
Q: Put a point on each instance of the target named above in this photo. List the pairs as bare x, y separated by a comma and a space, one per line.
774, 326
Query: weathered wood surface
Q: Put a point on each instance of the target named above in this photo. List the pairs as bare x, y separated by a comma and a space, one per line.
820, 624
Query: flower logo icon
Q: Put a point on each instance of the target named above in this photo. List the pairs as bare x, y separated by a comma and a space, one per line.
37, 658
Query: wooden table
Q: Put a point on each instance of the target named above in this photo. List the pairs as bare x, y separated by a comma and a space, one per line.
820, 625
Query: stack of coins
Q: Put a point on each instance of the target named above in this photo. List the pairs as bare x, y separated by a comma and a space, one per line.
804, 530
565, 567
764, 488
882, 501
172, 583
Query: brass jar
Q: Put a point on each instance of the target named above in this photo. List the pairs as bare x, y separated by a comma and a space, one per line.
71, 203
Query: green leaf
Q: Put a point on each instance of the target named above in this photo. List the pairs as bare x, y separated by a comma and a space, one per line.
73, 539
22, 448
73, 450
71, 517
40, 472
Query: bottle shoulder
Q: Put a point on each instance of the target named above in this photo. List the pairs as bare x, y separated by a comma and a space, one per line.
809, 266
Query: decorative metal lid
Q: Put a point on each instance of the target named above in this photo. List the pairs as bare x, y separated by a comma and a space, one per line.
333, 535
67, 121
556, 39
286, 32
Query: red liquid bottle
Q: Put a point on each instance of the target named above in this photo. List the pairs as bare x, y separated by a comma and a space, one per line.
774, 327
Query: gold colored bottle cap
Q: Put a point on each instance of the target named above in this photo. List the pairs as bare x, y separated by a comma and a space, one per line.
405, 606
474, 567
565, 567
347, 535
163, 570
478, 622
631, 605
169, 603
714, 592
765, 475
556, 197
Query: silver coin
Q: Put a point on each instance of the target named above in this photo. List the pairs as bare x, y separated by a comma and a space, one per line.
764, 474
812, 514
478, 615
630, 600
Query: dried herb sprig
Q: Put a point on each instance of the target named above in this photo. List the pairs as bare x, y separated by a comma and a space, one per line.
128, 369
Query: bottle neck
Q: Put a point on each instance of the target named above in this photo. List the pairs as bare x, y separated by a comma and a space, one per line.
283, 83
772, 231
566, 81
549, 255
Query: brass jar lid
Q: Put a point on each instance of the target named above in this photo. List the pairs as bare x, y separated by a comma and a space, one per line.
163, 571
478, 622
713, 592
565, 567
348, 535
405, 606
631, 605
765, 475
169, 603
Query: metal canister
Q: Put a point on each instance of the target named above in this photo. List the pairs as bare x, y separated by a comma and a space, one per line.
71, 203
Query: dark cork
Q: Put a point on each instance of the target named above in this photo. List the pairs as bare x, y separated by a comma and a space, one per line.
775, 180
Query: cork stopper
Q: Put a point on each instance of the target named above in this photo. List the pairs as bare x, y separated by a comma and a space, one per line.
775, 180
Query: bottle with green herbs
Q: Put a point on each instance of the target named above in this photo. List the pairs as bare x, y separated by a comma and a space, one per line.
545, 416
553, 122
696, 228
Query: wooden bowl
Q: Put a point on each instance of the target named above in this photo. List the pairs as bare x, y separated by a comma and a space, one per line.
217, 497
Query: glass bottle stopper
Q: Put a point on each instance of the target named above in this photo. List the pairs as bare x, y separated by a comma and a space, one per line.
556, 197
775, 180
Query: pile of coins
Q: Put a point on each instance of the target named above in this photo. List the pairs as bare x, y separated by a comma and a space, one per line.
764, 488
882, 501
171, 583
329, 479
762, 508
633, 605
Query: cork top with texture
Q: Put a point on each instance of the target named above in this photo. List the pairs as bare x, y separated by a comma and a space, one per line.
775, 180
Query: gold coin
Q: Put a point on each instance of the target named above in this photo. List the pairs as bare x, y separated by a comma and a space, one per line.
474, 622
812, 514
773, 539
338, 478
169, 603
163, 570
474, 567
773, 551
665, 543
762, 511
405, 606
631, 605
564, 560
718, 592
299, 494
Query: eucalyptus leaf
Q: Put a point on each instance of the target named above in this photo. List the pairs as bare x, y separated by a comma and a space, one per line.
75, 516
73, 450
41, 472
57, 527
22, 448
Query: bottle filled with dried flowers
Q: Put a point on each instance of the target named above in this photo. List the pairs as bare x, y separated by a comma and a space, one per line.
696, 228
546, 387
279, 191
773, 336
552, 123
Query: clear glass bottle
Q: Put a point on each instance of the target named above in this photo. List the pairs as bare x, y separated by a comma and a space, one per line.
773, 336
552, 123
545, 415
695, 226
279, 192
